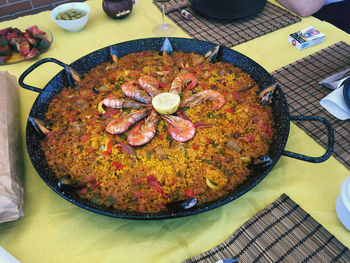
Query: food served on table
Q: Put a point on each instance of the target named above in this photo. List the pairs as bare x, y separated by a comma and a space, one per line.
106, 141
26, 44
70, 14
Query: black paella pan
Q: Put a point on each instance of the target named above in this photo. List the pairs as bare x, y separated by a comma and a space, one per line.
84, 64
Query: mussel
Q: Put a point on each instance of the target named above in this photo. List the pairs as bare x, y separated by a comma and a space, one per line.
73, 76
266, 93
166, 47
67, 184
212, 54
262, 161
181, 205
40, 126
114, 58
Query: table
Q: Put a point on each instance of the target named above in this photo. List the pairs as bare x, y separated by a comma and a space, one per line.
54, 230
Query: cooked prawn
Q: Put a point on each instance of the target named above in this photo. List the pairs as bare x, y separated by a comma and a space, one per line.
203, 96
183, 80
143, 132
131, 90
118, 126
150, 85
180, 129
118, 103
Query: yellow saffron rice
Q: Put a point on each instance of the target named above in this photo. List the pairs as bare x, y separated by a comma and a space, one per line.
210, 165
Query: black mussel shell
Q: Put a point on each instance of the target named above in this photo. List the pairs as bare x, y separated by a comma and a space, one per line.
66, 184
212, 54
40, 126
266, 93
166, 47
181, 205
113, 54
262, 161
73, 76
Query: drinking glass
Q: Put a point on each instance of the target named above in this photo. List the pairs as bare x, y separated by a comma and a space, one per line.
164, 29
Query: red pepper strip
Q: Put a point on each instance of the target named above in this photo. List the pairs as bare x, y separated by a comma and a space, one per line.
137, 181
173, 181
157, 188
229, 110
208, 140
237, 96
154, 184
105, 153
163, 85
211, 68
110, 146
138, 193
152, 178
82, 191
92, 120
189, 193
248, 138
167, 67
84, 138
195, 146
117, 165
89, 180
93, 186
220, 158
109, 114
191, 70
89, 150
200, 124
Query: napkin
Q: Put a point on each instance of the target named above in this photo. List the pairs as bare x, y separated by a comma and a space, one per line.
333, 81
6, 257
11, 191
334, 102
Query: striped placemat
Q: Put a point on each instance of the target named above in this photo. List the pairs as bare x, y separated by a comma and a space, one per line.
230, 32
281, 232
299, 81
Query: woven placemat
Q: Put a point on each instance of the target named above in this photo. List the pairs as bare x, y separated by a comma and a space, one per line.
230, 32
281, 232
299, 81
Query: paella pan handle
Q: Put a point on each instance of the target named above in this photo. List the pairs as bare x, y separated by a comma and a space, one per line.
34, 66
330, 134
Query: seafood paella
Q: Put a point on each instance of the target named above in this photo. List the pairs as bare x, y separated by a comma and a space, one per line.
150, 131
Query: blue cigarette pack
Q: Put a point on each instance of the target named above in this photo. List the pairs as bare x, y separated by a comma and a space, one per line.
306, 38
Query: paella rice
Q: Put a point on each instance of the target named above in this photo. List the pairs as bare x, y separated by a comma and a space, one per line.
113, 172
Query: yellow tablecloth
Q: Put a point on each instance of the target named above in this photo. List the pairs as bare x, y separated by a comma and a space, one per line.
54, 230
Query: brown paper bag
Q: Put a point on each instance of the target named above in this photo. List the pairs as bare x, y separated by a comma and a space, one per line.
11, 191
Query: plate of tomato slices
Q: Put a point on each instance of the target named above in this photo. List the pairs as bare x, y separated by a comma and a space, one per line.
17, 45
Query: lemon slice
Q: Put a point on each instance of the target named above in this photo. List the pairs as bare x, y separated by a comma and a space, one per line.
166, 103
